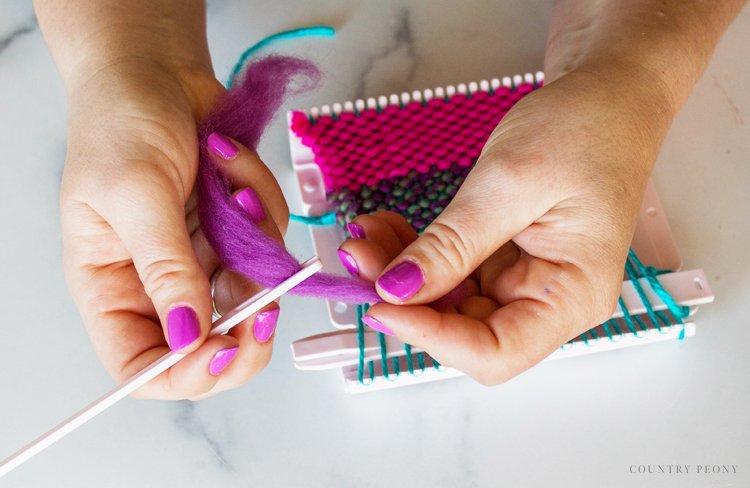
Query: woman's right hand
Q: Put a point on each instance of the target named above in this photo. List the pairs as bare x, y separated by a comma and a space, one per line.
136, 261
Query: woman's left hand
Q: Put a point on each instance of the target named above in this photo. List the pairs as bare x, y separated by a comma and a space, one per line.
530, 252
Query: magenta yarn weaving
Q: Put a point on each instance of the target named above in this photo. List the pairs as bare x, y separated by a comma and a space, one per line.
243, 114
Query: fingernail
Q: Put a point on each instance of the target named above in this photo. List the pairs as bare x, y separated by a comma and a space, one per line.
222, 146
349, 263
221, 360
374, 323
265, 324
183, 327
355, 230
250, 203
402, 281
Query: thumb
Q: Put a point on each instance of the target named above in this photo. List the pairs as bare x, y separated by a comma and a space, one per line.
149, 218
488, 211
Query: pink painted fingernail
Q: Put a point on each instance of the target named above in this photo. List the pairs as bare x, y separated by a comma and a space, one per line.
402, 281
222, 146
349, 263
221, 360
250, 203
183, 327
265, 325
355, 230
374, 323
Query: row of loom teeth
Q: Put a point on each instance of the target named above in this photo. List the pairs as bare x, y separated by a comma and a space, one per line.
426, 95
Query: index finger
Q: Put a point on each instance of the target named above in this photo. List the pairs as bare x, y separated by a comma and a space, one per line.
506, 342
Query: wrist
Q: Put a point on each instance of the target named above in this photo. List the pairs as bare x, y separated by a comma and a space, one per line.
86, 37
132, 73
131, 44
636, 89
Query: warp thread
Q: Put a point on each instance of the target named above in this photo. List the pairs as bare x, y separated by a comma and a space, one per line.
243, 114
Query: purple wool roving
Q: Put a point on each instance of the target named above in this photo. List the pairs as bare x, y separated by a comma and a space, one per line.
243, 114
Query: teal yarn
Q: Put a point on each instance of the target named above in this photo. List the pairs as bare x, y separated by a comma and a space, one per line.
384, 359
585, 338
395, 364
678, 312
651, 274
633, 275
635, 269
629, 319
613, 323
325, 219
410, 360
320, 30
361, 346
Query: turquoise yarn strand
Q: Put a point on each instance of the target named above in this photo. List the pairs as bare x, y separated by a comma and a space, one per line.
678, 312
436, 365
628, 318
320, 30
605, 326
633, 275
325, 219
410, 360
384, 359
361, 345
651, 273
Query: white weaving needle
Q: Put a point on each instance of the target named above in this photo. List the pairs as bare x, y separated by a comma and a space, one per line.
221, 326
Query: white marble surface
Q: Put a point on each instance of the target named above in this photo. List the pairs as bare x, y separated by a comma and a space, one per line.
579, 422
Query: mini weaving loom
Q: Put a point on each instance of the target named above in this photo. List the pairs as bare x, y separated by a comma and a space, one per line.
409, 153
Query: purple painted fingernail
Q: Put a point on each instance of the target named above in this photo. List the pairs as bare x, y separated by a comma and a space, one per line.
402, 281
355, 230
183, 327
265, 324
374, 323
349, 263
222, 146
221, 360
250, 203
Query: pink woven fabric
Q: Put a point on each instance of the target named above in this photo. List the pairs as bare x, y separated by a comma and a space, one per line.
355, 150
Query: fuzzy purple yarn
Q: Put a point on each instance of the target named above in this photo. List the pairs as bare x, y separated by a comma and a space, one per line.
243, 114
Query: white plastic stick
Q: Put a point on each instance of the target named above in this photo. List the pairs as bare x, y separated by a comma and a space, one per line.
221, 326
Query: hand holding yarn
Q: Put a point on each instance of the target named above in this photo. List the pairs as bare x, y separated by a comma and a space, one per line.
135, 253
530, 251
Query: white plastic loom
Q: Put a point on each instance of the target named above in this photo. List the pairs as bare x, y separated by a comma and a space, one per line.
653, 243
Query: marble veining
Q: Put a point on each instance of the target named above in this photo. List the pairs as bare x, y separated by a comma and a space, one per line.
401, 49
188, 420
7, 40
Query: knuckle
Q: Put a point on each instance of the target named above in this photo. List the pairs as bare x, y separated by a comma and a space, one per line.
138, 394
189, 390
204, 391
262, 361
607, 302
447, 246
485, 379
252, 368
134, 181
130, 184
160, 274
120, 375
492, 376
603, 298
589, 300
